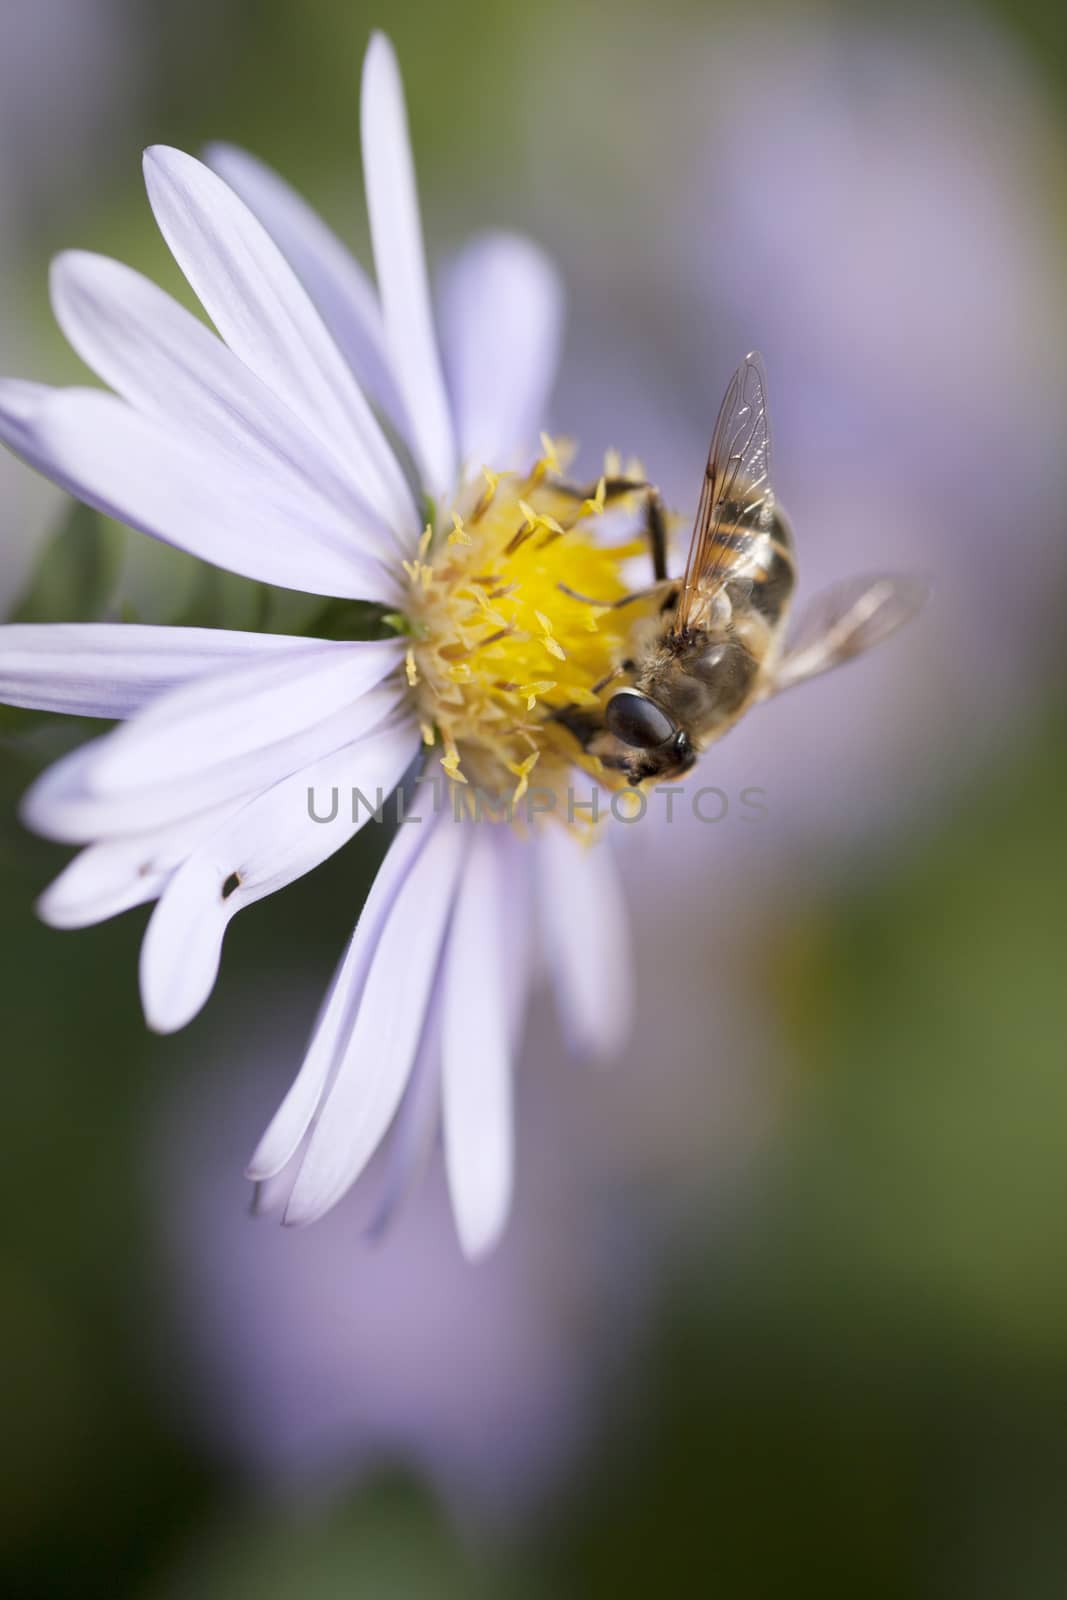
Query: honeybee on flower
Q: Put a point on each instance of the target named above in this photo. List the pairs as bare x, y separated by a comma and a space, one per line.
315, 444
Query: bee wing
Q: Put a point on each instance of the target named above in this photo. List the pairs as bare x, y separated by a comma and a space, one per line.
736, 499
846, 620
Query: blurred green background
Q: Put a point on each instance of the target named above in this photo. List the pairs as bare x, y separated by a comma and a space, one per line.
845, 1367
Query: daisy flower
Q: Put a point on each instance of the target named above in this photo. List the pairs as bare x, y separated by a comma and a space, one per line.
324, 441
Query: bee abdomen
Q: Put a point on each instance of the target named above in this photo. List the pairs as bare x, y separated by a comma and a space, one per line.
761, 567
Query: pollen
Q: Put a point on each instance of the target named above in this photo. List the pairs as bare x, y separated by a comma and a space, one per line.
522, 770
520, 577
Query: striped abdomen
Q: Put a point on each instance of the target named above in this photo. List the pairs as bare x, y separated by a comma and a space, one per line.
756, 567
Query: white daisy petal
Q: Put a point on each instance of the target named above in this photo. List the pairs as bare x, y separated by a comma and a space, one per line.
20, 404
400, 264
119, 873
334, 1024
265, 316
501, 328
166, 363
414, 1133
520, 936
101, 882
585, 927
377, 1056
288, 830
476, 1056
343, 294
302, 442
64, 805
232, 713
114, 669
61, 806
186, 491
271, 1195
263, 847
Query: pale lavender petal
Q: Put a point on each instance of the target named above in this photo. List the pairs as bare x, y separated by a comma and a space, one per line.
377, 1056
63, 804
337, 1014
413, 1136
185, 490
166, 363
521, 946
476, 1053
263, 847
265, 316
116, 874
400, 265
501, 328
270, 1196
221, 718
105, 669
585, 927
20, 403
343, 294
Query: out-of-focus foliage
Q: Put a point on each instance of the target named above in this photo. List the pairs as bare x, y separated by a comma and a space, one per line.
93, 570
865, 1391
863, 1381
79, 573
389, 1546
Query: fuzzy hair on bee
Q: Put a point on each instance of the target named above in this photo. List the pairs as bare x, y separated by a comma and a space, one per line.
716, 646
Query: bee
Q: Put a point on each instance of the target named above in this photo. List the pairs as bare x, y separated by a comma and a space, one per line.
717, 644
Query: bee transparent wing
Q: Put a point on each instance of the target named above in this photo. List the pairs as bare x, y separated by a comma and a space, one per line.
845, 621
736, 499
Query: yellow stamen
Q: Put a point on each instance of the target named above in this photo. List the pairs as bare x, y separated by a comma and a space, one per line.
533, 691
489, 602
450, 762
522, 770
593, 507
550, 453
539, 519
488, 494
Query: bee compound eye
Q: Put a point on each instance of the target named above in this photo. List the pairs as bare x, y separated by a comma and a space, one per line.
638, 721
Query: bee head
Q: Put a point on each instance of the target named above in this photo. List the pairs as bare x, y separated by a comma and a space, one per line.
660, 746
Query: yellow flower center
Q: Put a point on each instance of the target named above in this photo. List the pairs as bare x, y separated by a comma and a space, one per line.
513, 617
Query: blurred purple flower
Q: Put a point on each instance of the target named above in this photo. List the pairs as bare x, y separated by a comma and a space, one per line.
869, 209
310, 1358
68, 76
69, 70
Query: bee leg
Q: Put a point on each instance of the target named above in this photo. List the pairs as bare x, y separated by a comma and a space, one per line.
666, 587
614, 488
665, 590
584, 725
656, 533
616, 672
588, 728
